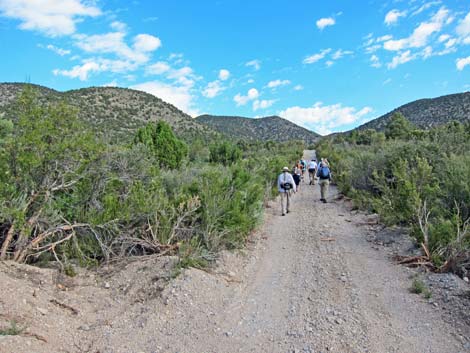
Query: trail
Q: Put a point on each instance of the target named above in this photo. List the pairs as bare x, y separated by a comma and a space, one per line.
308, 282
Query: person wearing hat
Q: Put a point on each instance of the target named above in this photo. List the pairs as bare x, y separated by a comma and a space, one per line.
312, 170
285, 183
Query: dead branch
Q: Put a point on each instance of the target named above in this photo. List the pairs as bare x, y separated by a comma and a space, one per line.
64, 306
22, 253
415, 261
423, 220
11, 231
6, 242
186, 210
34, 335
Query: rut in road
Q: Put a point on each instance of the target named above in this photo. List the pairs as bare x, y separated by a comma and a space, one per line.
313, 284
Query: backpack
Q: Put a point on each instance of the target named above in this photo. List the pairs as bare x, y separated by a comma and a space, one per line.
286, 186
324, 172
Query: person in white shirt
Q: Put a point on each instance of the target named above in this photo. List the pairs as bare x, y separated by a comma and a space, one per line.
285, 183
312, 171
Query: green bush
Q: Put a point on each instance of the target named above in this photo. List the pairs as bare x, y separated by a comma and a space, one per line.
168, 150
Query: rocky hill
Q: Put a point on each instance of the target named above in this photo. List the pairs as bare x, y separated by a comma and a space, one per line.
272, 128
427, 113
113, 112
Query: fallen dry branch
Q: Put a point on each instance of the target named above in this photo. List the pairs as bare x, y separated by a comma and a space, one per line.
64, 306
35, 335
415, 261
328, 239
28, 249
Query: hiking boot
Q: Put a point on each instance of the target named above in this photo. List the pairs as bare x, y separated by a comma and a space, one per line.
283, 214
288, 211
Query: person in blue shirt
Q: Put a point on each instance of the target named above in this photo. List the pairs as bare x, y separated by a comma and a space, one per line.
324, 174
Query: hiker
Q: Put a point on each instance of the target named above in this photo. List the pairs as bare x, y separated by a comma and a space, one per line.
296, 175
285, 185
312, 171
324, 174
304, 166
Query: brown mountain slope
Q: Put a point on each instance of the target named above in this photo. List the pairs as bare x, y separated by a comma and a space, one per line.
111, 111
427, 113
272, 128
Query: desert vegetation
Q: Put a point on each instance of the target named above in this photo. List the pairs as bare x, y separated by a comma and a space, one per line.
411, 177
68, 196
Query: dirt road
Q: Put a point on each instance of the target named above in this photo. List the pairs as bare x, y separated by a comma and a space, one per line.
308, 282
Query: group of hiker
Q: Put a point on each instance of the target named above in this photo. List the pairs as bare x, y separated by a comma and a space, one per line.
290, 183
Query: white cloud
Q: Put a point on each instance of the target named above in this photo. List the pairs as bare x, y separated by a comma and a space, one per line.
329, 63
113, 83
384, 38
183, 76
450, 43
119, 26
298, 88
256, 64
262, 104
176, 58
113, 43
425, 7
316, 57
443, 38
427, 52
387, 81
420, 36
252, 94
224, 74
463, 29
324, 22
145, 43
213, 89
401, 59
373, 48
51, 17
324, 118
340, 53
158, 68
179, 96
277, 83
395, 45
57, 50
462, 62
392, 16
97, 65
375, 61
79, 71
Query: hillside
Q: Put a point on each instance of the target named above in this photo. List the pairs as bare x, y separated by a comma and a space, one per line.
111, 111
269, 128
427, 113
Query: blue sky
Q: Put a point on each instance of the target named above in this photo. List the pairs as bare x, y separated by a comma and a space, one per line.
325, 65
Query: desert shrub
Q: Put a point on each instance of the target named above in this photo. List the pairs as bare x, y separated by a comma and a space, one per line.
412, 168
66, 197
168, 150
398, 127
224, 152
